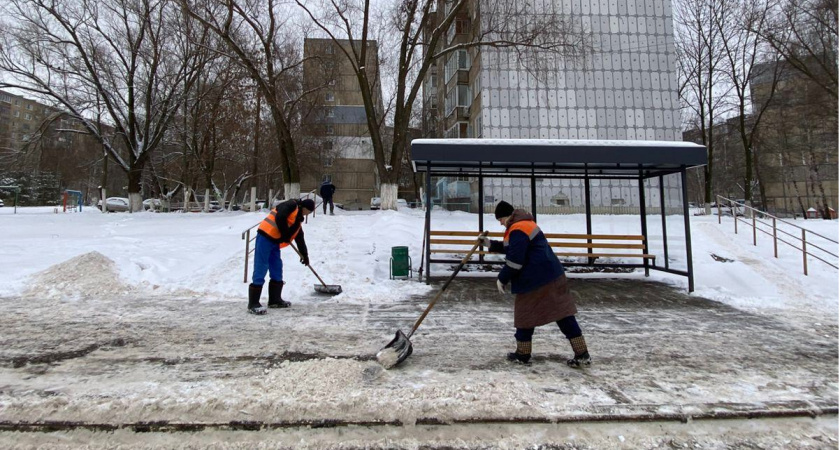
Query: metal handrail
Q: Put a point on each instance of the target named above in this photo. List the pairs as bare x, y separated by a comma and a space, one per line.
246, 235
803, 241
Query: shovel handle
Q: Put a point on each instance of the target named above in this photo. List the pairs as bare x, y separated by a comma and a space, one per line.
445, 285
310, 267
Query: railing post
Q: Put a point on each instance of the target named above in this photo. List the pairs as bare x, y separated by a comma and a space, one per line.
734, 216
755, 242
247, 251
775, 242
804, 254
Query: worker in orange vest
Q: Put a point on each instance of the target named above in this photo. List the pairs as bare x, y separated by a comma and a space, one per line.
277, 230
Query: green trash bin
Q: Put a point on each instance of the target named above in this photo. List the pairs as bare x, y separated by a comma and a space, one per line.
400, 263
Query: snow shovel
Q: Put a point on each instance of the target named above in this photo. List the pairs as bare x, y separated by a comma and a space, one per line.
399, 349
323, 288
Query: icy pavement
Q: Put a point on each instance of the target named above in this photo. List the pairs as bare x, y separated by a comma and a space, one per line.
181, 364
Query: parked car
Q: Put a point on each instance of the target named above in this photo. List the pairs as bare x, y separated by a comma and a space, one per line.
401, 203
1, 203
375, 202
152, 203
114, 204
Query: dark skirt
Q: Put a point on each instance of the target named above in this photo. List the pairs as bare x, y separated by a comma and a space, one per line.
548, 303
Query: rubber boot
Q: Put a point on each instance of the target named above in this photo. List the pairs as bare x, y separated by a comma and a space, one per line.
254, 305
275, 295
581, 358
522, 353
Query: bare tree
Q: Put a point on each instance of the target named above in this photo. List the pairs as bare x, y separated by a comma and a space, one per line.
261, 37
740, 27
122, 53
416, 31
703, 86
804, 32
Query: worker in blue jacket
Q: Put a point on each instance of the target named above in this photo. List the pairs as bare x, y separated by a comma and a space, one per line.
538, 279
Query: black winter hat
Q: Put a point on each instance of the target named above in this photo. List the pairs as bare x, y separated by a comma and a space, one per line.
503, 209
308, 204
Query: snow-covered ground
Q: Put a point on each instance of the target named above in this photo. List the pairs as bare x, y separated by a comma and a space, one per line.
202, 255
123, 318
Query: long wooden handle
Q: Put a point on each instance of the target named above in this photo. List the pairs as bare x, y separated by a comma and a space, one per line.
445, 285
310, 267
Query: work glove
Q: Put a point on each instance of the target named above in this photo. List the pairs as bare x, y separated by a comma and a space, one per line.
304, 259
501, 286
484, 240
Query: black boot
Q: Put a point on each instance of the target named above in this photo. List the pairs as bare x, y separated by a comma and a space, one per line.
522, 353
581, 358
254, 306
275, 295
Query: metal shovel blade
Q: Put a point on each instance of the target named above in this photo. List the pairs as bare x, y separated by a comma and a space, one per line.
331, 289
397, 351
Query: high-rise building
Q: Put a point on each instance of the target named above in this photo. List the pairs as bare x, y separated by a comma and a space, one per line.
624, 87
337, 126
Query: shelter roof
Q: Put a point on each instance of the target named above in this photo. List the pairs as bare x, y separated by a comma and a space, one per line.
523, 157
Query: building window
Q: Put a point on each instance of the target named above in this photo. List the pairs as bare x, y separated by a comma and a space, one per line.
5, 98
331, 82
330, 49
328, 161
458, 60
29, 106
459, 95
27, 116
476, 85
327, 177
330, 112
457, 131
330, 129
329, 97
17, 113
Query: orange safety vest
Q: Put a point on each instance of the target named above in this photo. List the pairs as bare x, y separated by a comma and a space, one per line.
269, 226
529, 227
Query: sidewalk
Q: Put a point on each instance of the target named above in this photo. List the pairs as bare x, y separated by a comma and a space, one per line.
658, 354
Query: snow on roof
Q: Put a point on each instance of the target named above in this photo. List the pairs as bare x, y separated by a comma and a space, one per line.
557, 142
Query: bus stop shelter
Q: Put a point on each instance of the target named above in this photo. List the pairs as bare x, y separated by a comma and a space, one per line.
566, 159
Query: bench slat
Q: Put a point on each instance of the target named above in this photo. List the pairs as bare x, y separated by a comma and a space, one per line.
617, 237
581, 255
552, 244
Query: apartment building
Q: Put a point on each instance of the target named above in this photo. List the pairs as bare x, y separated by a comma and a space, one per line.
37, 138
339, 140
624, 88
797, 141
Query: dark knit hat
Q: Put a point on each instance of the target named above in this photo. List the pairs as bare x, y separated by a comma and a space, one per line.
503, 209
308, 204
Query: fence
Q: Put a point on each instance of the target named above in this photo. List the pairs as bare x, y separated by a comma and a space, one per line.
758, 221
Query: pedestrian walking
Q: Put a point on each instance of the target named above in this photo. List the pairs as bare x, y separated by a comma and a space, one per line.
282, 225
538, 279
327, 191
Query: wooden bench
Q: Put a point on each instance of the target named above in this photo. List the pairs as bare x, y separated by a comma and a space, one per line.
570, 245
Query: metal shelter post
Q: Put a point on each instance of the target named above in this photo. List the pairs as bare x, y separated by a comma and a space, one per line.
588, 208
480, 206
687, 230
428, 225
643, 215
664, 224
533, 193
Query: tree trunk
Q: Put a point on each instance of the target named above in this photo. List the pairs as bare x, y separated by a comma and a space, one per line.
389, 192
135, 175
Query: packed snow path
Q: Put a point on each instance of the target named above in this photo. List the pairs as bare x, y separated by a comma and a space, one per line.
657, 353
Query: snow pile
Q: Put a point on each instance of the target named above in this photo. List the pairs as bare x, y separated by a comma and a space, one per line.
86, 276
